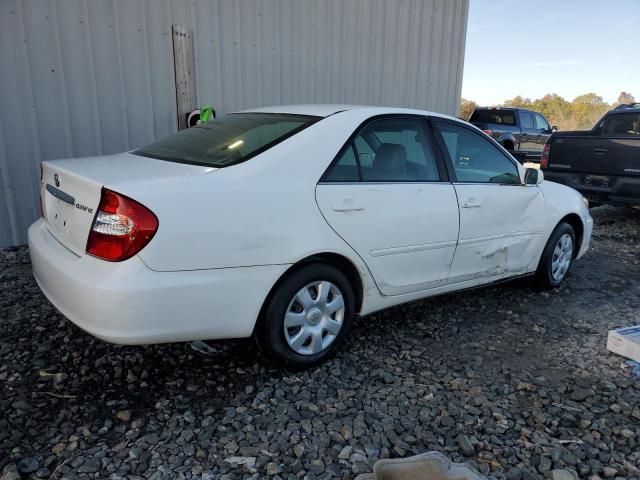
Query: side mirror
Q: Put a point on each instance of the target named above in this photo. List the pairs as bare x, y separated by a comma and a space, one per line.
554, 128
533, 176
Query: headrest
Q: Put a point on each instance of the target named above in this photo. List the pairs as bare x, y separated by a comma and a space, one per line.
391, 157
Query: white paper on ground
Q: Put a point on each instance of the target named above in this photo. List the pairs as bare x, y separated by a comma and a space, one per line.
625, 341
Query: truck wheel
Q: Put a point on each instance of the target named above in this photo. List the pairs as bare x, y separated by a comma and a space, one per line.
557, 257
307, 317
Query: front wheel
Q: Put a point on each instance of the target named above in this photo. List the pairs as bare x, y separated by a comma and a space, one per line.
307, 317
557, 257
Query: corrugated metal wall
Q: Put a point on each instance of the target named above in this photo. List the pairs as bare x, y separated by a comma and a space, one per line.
84, 77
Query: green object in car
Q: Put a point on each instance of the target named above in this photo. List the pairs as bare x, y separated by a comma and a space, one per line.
207, 114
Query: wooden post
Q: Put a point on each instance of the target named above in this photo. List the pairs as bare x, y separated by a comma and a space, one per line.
184, 69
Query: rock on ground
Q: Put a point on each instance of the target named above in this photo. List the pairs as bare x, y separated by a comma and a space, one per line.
515, 381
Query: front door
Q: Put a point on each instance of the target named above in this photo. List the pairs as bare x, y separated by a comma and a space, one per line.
385, 195
528, 133
544, 130
500, 218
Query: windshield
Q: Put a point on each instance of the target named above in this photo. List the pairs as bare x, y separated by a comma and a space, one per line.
229, 140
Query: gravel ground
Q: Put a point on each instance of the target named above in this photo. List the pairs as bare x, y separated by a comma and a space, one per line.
517, 382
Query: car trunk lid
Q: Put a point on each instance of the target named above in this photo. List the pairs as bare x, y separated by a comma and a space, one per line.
70, 189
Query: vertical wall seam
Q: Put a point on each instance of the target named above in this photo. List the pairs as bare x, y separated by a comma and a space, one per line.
123, 87
463, 24
68, 135
147, 58
94, 84
33, 127
8, 191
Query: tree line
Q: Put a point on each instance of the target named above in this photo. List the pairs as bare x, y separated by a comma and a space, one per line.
580, 114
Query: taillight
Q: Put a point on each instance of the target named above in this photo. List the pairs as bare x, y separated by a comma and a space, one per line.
544, 159
122, 227
488, 132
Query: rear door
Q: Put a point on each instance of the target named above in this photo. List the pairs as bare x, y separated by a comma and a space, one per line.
387, 195
500, 218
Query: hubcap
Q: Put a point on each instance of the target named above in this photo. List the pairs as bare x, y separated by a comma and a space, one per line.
562, 255
314, 317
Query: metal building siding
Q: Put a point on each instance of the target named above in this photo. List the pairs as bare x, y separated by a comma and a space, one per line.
83, 77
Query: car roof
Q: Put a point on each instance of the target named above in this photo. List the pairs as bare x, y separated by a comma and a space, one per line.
502, 108
325, 110
616, 111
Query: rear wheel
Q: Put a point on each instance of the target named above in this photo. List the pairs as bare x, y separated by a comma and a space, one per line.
307, 317
557, 257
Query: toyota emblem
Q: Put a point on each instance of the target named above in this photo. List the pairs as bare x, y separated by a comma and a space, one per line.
56, 179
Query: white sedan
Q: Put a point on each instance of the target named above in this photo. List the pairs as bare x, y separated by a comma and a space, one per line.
285, 223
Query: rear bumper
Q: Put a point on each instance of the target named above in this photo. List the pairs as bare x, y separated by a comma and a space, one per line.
128, 303
621, 190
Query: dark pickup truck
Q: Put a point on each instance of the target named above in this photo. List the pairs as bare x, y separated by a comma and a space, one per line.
603, 163
518, 130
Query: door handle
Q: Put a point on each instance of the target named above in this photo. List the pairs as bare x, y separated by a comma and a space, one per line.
347, 207
599, 151
471, 205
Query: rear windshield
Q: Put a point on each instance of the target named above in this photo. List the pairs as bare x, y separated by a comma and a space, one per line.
502, 117
228, 140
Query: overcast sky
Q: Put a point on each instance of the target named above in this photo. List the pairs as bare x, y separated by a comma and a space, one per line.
568, 47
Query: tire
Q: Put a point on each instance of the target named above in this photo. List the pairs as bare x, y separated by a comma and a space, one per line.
557, 257
316, 329
508, 145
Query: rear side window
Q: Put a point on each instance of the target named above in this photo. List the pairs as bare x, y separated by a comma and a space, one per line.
229, 140
526, 121
501, 117
387, 150
345, 169
622, 124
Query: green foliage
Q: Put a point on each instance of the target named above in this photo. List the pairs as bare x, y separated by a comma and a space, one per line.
466, 108
587, 109
579, 114
518, 102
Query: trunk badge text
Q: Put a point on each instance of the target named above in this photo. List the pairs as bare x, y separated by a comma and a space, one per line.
84, 207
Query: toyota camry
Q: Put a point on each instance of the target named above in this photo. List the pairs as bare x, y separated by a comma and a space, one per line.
286, 223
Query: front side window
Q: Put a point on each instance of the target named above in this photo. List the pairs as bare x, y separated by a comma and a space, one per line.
475, 159
622, 124
541, 123
229, 140
388, 150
